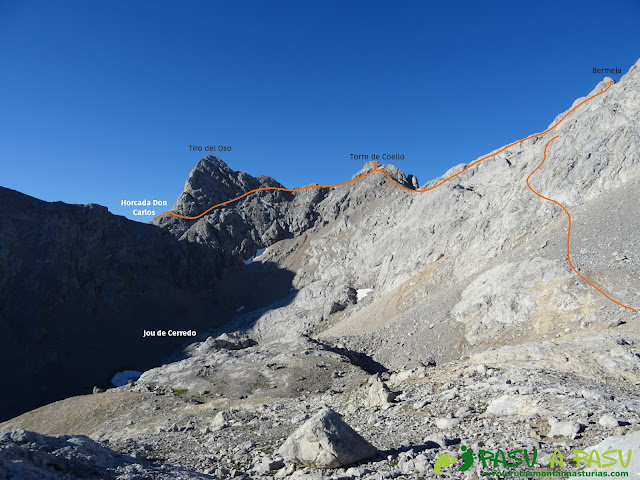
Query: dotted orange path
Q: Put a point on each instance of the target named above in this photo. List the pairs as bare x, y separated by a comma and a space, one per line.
544, 159
380, 169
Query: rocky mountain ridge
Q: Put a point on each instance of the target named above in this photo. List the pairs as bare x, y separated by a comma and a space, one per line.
257, 220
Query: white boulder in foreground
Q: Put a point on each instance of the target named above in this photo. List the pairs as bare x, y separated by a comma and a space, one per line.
326, 441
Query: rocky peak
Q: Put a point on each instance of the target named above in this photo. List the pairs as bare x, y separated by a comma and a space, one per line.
212, 181
212, 171
394, 172
264, 217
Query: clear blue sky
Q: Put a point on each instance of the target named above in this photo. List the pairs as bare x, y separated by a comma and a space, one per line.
100, 100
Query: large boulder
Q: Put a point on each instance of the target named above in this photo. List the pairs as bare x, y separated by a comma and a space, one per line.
326, 441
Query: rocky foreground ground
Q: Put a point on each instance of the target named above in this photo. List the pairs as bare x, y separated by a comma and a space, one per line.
187, 426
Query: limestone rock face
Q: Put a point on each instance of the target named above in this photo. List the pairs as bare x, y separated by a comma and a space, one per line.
326, 441
258, 219
242, 227
77, 282
478, 263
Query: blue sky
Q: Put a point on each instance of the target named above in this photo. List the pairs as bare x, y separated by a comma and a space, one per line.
99, 101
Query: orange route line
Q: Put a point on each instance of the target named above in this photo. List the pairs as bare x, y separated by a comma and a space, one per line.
379, 169
269, 188
544, 159
502, 149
